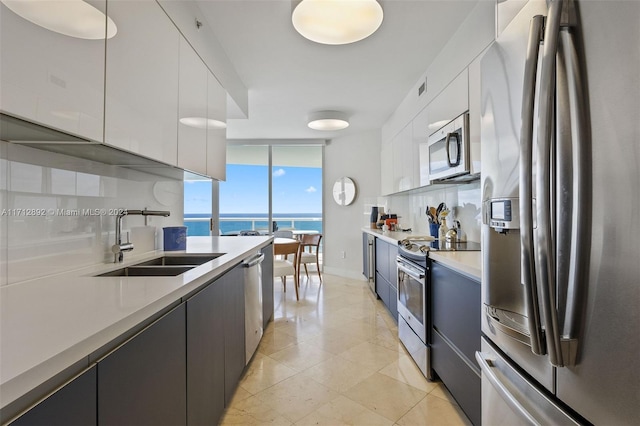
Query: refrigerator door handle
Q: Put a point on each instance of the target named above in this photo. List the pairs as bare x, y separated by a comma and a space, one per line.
544, 244
487, 369
526, 186
580, 219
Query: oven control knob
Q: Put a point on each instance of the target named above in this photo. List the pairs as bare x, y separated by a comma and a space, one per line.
406, 243
424, 249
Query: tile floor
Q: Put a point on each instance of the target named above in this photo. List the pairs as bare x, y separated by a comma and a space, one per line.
334, 358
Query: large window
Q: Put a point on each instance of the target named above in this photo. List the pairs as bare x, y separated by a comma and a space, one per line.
198, 204
291, 195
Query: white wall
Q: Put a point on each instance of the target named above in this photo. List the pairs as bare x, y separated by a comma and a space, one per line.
357, 157
57, 233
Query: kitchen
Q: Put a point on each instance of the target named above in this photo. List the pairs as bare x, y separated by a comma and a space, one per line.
39, 178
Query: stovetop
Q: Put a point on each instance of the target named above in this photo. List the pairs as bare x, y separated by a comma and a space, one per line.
418, 250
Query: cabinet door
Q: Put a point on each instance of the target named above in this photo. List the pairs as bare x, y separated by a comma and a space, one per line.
205, 355
450, 103
267, 285
234, 342
216, 137
72, 404
475, 113
51, 78
142, 81
382, 289
386, 167
192, 134
143, 382
393, 266
421, 134
365, 255
382, 258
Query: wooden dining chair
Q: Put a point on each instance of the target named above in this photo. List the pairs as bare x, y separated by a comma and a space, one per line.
287, 265
312, 243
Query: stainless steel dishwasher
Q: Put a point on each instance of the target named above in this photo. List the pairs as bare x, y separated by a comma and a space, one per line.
252, 303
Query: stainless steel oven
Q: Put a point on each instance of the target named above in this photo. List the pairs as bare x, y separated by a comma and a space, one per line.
413, 316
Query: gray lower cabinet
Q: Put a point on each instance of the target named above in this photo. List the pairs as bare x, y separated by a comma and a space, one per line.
456, 336
205, 355
143, 382
267, 285
234, 342
387, 275
72, 404
215, 347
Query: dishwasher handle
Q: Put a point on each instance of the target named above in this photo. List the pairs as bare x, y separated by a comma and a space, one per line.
255, 260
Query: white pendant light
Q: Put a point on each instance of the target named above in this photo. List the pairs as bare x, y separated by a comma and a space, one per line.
203, 123
328, 120
337, 21
74, 18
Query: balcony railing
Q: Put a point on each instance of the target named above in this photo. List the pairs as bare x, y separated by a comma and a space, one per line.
229, 225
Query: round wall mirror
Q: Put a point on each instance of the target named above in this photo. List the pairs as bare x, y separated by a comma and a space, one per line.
344, 191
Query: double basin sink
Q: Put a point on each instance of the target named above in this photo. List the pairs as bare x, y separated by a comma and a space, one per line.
164, 266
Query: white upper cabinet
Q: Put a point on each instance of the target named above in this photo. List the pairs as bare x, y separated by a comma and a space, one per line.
475, 112
386, 167
450, 103
52, 78
420, 139
192, 116
142, 81
405, 160
216, 132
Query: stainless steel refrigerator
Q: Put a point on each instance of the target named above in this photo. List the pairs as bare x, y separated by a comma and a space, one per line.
561, 216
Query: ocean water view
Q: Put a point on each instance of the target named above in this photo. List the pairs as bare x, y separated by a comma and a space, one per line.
230, 223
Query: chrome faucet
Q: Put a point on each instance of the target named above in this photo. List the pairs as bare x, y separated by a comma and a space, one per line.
119, 247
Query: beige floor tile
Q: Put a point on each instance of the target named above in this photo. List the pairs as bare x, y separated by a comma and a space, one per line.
343, 411
334, 341
387, 339
442, 392
301, 356
434, 411
334, 358
264, 372
370, 355
297, 396
406, 371
338, 373
274, 341
239, 395
385, 396
252, 411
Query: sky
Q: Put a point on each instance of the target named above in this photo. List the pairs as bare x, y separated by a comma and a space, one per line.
295, 190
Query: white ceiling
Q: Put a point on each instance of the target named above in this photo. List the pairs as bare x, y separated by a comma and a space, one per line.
289, 76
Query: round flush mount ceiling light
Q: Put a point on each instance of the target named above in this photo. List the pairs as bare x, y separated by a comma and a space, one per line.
203, 123
328, 120
337, 21
73, 18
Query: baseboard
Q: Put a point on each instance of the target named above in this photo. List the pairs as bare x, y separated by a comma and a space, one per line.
343, 273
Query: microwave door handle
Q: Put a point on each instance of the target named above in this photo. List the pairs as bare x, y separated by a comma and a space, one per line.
526, 187
454, 136
545, 253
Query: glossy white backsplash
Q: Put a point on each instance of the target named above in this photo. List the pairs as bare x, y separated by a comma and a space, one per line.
58, 212
463, 201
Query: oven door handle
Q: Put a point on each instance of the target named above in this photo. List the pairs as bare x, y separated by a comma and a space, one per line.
411, 272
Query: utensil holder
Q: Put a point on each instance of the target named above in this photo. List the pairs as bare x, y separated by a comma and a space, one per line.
433, 230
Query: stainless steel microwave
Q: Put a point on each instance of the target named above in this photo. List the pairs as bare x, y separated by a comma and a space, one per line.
449, 150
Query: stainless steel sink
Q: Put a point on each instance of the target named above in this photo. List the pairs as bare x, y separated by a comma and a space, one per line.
148, 271
185, 259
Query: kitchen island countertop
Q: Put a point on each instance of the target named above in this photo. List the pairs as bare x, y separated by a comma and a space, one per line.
56, 325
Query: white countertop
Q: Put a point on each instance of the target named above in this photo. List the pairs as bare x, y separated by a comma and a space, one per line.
469, 262
49, 324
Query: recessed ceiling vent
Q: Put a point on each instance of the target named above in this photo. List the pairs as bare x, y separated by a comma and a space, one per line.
422, 88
